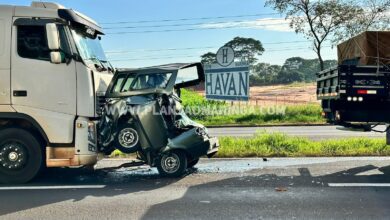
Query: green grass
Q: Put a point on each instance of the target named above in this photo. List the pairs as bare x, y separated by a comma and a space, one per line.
297, 114
281, 145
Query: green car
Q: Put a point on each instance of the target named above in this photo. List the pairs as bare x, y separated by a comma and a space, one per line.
144, 115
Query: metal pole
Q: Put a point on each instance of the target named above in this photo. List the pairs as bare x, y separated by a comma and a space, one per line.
388, 135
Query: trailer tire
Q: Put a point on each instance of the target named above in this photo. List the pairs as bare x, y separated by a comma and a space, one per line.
172, 164
21, 156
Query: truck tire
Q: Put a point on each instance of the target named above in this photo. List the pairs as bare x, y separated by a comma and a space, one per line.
127, 139
21, 156
172, 164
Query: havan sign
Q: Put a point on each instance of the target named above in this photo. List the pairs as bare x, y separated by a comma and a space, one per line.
227, 80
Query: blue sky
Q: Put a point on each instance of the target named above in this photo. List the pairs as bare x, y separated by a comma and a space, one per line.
152, 48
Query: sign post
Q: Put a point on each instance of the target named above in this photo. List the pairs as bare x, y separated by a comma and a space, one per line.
227, 80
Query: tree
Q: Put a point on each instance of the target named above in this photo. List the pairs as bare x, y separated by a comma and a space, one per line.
294, 69
374, 16
290, 76
308, 67
265, 73
209, 58
317, 20
246, 49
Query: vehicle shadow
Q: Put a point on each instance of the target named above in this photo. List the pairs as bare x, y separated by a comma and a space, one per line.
141, 179
222, 196
122, 181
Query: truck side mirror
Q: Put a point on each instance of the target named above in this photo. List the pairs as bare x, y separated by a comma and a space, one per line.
53, 38
56, 57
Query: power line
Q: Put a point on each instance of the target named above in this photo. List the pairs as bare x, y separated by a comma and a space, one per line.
188, 24
193, 56
191, 48
195, 29
153, 58
189, 19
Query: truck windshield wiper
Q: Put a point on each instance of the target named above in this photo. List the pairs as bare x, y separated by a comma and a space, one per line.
100, 66
110, 67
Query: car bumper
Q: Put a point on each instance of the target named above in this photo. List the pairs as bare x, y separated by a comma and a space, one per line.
213, 147
208, 147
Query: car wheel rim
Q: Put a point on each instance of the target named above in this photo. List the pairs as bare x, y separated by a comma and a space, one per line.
170, 163
13, 156
128, 137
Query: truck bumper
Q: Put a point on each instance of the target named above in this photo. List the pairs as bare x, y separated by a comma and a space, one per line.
65, 157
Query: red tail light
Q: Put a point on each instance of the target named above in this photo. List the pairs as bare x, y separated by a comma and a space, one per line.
366, 92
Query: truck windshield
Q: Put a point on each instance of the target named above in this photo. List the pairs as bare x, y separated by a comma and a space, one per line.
89, 49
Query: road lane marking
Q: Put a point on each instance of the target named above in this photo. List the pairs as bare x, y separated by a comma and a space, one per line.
359, 184
52, 187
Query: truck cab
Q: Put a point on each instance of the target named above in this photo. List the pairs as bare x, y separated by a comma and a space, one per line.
53, 77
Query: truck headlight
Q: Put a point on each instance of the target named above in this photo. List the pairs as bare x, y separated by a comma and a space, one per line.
92, 132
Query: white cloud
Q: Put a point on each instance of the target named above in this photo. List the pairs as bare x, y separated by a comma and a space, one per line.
272, 24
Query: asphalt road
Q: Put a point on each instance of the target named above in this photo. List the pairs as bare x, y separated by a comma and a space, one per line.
312, 132
309, 188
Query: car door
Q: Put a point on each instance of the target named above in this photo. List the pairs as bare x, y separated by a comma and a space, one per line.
189, 75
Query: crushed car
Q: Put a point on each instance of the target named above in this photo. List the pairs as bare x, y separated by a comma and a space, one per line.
144, 115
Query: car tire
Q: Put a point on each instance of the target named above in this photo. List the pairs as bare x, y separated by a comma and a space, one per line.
21, 156
172, 164
192, 163
127, 139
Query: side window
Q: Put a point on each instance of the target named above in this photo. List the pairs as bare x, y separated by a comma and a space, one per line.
118, 84
64, 43
128, 83
32, 42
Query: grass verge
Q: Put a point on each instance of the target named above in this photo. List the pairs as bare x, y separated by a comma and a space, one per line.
281, 145
218, 113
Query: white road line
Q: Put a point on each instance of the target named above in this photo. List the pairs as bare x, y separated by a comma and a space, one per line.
52, 187
359, 184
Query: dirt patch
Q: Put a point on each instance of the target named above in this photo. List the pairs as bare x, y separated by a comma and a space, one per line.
292, 94
284, 94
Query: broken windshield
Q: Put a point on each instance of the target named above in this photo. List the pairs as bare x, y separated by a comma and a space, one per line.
132, 82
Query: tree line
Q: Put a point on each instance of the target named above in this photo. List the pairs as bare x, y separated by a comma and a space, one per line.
295, 69
319, 21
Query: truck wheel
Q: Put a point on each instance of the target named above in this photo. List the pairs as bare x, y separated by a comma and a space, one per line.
192, 163
127, 139
21, 157
172, 164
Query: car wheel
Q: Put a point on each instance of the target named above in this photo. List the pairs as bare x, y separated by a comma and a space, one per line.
172, 164
21, 156
127, 139
192, 163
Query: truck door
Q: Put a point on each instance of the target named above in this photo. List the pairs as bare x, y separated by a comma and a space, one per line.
5, 35
37, 85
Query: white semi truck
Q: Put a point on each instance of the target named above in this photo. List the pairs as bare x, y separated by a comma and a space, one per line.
53, 77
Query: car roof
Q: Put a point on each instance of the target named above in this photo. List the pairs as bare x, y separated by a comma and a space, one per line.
155, 69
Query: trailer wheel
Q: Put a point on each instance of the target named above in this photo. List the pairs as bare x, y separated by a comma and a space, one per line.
172, 164
192, 163
127, 139
21, 157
